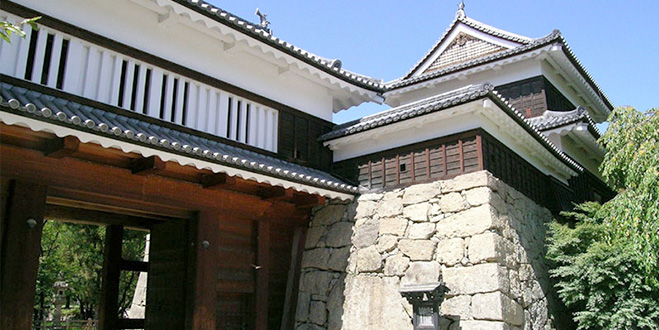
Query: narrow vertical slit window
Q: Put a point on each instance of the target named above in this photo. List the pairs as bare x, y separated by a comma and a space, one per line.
229, 117
46, 60
162, 96
61, 67
34, 36
122, 83
247, 123
136, 76
238, 104
186, 88
174, 99
147, 88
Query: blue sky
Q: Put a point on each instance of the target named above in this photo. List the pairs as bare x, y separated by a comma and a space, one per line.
616, 41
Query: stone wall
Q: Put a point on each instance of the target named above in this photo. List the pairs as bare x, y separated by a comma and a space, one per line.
482, 238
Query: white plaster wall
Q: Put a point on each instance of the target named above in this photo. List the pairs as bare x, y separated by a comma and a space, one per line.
136, 26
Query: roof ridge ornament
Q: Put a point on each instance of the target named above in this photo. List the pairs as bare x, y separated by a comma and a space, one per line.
461, 10
264, 21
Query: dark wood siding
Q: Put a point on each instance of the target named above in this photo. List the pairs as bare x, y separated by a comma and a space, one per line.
298, 140
533, 96
425, 161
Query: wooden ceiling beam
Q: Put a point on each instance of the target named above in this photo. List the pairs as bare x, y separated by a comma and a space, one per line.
217, 180
61, 147
147, 165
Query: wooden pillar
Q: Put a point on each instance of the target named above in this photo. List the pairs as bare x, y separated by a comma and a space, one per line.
109, 305
293, 280
19, 255
206, 267
262, 275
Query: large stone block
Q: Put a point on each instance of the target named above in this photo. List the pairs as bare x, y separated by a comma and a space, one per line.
417, 212
316, 258
393, 226
457, 306
386, 243
486, 247
368, 260
317, 312
468, 223
316, 282
391, 205
420, 193
468, 181
366, 234
452, 202
314, 234
338, 259
421, 273
476, 279
374, 303
417, 249
302, 309
328, 215
396, 265
498, 307
339, 234
423, 230
335, 305
478, 196
365, 209
450, 251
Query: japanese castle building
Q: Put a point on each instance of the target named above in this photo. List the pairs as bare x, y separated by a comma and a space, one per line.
177, 117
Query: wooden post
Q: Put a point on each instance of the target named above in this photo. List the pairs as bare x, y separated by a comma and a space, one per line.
262, 275
292, 282
19, 256
206, 266
109, 305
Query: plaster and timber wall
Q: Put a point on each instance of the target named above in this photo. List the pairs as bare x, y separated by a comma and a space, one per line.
481, 237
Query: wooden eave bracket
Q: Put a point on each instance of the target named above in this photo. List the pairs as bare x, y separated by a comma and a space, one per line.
148, 165
217, 180
61, 147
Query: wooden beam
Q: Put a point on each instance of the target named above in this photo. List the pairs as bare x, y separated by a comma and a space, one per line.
148, 165
86, 216
217, 181
19, 255
134, 265
276, 193
207, 238
292, 281
130, 324
262, 275
304, 201
109, 304
61, 147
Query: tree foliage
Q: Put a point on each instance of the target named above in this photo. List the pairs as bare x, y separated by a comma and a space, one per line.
606, 262
7, 28
74, 253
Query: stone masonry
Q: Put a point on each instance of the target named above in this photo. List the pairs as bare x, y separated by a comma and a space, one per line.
484, 239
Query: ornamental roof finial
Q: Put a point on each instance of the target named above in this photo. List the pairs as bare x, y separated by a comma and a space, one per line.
264, 21
461, 10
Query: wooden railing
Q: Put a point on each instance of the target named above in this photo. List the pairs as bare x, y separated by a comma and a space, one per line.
66, 325
64, 62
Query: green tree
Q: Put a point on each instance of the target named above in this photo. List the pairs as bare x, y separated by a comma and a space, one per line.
607, 258
74, 253
7, 28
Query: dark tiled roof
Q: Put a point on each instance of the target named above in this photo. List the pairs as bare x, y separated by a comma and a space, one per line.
431, 104
527, 45
553, 119
149, 132
332, 67
440, 102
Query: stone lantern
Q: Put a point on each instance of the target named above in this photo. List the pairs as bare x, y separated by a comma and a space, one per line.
425, 300
59, 299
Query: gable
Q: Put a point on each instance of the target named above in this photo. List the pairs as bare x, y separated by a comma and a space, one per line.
462, 49
465, 40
